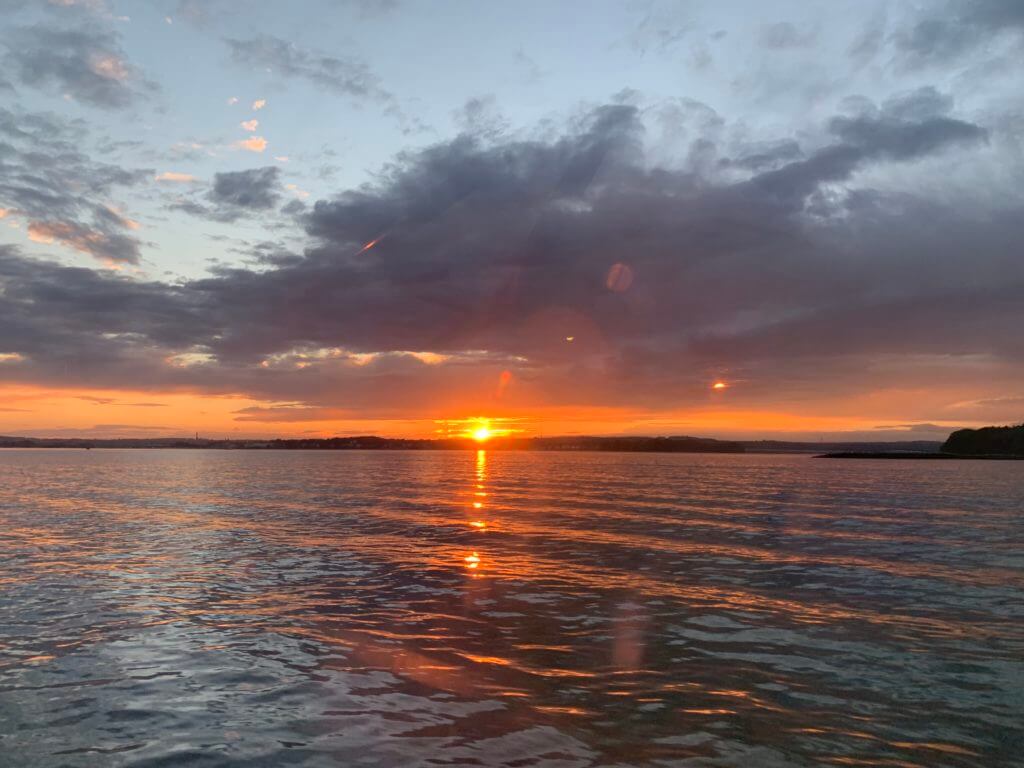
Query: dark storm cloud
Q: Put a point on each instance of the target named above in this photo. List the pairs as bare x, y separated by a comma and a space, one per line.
86, 63
494, 251
348, 76
61, 193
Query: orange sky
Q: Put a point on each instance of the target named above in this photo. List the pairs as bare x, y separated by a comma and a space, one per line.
37, 411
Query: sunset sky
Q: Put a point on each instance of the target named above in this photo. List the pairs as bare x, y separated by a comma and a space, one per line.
320, 218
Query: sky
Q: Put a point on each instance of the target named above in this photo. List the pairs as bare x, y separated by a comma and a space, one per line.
738, 219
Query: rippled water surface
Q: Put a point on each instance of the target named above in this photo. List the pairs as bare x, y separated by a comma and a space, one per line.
205, 608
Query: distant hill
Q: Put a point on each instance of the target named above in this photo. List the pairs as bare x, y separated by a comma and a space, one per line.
987, 441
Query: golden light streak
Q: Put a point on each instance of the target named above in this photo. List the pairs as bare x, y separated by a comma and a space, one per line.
368, 246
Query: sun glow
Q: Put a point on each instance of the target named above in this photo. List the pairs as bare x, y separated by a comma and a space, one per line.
479, 429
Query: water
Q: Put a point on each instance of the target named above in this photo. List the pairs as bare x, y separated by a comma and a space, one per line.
205, 608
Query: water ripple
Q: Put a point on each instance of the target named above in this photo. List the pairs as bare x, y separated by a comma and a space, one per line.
200, 608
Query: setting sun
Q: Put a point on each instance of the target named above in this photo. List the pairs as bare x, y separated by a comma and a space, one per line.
482, 433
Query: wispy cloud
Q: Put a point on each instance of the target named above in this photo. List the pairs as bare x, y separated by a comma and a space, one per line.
86, 63
349, 76
105, 246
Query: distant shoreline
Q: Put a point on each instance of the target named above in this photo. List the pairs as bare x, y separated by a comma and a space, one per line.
638, 444
889, 455
375, 443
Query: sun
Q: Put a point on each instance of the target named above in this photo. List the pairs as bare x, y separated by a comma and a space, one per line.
479, 429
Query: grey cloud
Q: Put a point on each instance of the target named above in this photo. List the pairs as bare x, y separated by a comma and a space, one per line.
494, 252
46, 179
293, 208
100, 243
235, 194
191, 207
480, 116
659, 30
905, 140
944, 32
766, 156
255, 189
372, 8
783, 35
869, 42
919, 104
348, 76
885, 134
86, 63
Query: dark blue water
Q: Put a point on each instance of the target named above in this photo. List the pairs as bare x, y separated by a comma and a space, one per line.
205, 608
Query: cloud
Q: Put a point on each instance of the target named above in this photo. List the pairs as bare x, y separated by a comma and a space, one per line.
348, 76
102, 245
893, 134
944, 32
252, 144
232, 100
64, 194
85, 63
254, 189
371, 8
783, 34
174, 176
259, 104
801, 278
249, 125
480, 115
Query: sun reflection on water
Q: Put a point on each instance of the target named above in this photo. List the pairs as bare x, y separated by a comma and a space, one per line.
473, 560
